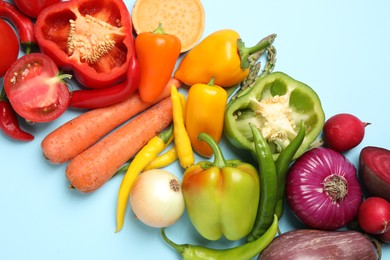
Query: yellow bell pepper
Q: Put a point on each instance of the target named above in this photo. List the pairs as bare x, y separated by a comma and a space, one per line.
205, 110
221, 55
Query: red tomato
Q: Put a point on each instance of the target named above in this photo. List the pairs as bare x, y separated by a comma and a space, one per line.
9, 46
34, 88
33, 8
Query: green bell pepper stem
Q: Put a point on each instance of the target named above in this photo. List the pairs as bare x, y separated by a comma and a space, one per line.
242, 252
219, 159
245, 52
268, 185
3, 95
283, 164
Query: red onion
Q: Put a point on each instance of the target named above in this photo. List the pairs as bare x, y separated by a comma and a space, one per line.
323, 190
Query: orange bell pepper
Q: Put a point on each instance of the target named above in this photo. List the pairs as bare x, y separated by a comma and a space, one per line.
157, 53
205, 110
221, 55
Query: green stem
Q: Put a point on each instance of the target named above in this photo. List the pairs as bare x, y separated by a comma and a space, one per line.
166, 135
245, 52
122, 169
219, 160
271, 60
28, 49
62, 77
254, 69
3, 95
211, 82
159, 29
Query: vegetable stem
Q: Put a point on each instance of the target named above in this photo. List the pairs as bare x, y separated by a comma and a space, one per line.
219, 160
245, 52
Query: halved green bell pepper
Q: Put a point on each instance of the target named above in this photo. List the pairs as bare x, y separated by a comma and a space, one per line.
221, 197
276, 104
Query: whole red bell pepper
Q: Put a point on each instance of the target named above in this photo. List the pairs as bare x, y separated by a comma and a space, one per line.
92, 38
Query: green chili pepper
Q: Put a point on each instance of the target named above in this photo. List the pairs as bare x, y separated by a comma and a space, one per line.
282, 165
275, 104
268, 185
242, 252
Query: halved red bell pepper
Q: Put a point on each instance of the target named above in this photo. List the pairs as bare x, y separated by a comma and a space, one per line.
92, 38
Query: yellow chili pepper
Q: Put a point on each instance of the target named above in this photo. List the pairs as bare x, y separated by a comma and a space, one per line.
149, 152
183, 147
205, 112
221, 55
183, 102
127, 164
163, 160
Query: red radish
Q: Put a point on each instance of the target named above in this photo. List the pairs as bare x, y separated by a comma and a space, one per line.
374, 215
343, 132
374, 170
385, 237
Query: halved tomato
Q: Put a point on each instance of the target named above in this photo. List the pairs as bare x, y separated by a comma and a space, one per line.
35, 88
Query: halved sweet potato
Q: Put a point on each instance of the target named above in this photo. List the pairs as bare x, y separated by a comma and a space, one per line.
183, 18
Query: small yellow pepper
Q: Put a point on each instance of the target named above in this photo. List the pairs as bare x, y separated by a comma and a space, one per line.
221, 55
183, 147
183, 101
147, 154
163, 160
205, 112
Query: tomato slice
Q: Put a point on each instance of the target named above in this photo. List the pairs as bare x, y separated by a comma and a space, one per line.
34, 88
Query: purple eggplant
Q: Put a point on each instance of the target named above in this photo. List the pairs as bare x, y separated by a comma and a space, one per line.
318, 244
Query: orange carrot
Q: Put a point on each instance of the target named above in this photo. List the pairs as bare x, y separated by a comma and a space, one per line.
92, 168
78, 134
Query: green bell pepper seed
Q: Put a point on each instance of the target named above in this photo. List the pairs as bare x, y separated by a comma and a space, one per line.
275, 104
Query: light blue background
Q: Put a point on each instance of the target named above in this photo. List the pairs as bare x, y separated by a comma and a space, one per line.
339, 48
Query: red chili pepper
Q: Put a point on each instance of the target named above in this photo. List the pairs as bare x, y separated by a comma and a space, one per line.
23, 24
9, 121
96, 98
